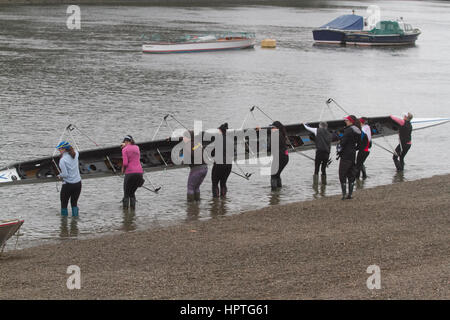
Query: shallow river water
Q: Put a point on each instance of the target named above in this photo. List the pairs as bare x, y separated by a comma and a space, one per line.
98, 79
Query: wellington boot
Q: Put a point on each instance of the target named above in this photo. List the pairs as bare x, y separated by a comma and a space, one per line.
315, 180
190, 197
215, 192
351, 185
344, 190
197, 196
125, 202
364, 174
397, 164
324, 179
74, 211
279, 184
223, 191
274, 183
133, 203
64, 212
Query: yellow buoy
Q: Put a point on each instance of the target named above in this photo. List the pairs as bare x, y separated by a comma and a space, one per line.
268, 43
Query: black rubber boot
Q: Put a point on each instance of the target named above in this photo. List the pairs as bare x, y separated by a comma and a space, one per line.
279, 184
223, 191
315, 180
402, 165
364, 174
274, 183
133, 203
190, 198
350, 189
344, 190
126, 202
324, 179
397, 163
215, 192
197, 196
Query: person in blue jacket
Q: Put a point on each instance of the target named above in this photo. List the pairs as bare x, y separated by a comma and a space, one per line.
70, 175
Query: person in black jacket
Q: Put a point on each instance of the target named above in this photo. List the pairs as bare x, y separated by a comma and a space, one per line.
283, 155
347, 151
221, 168
404, 134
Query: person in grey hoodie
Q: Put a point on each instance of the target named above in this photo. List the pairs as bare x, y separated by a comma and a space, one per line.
323, 146
70, 174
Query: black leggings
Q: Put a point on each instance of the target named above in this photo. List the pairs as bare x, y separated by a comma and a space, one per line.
219, 175
346, 171
401, 151
321, 160
131, 183
70, 191
283, 161
360, 159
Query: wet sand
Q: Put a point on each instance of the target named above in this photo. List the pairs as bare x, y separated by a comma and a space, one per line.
318, 249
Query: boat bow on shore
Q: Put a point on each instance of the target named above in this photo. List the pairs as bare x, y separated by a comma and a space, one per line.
7, 229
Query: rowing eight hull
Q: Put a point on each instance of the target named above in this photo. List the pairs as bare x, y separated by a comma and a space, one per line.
157, 155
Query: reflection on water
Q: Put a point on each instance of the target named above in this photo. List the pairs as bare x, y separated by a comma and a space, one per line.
192, 210
275, 197
399, 176
218, 207
69, 230
319, 188
129, 219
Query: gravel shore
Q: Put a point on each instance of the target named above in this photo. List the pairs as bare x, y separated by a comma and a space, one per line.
318, 249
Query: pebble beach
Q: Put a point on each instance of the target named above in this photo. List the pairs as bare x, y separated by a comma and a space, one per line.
319, 249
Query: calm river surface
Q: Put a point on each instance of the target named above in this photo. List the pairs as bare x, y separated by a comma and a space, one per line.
98, 79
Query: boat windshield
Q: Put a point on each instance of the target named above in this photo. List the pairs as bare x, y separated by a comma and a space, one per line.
387, 27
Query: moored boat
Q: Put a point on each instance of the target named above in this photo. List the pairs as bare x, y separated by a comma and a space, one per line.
7, 229
202, 43
386, 33
333, 32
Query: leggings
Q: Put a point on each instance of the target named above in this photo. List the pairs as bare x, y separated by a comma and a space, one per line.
131, 182
360, 159
346, 171
219, 175
321, 160
401, 151
283, 161
196, 176
70, 191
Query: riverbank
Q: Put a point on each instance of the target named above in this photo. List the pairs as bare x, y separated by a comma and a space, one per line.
316, 249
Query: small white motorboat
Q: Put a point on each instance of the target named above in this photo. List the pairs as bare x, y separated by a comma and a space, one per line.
7, 229
202, 43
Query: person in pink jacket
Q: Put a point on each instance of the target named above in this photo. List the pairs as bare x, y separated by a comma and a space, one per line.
132, 168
